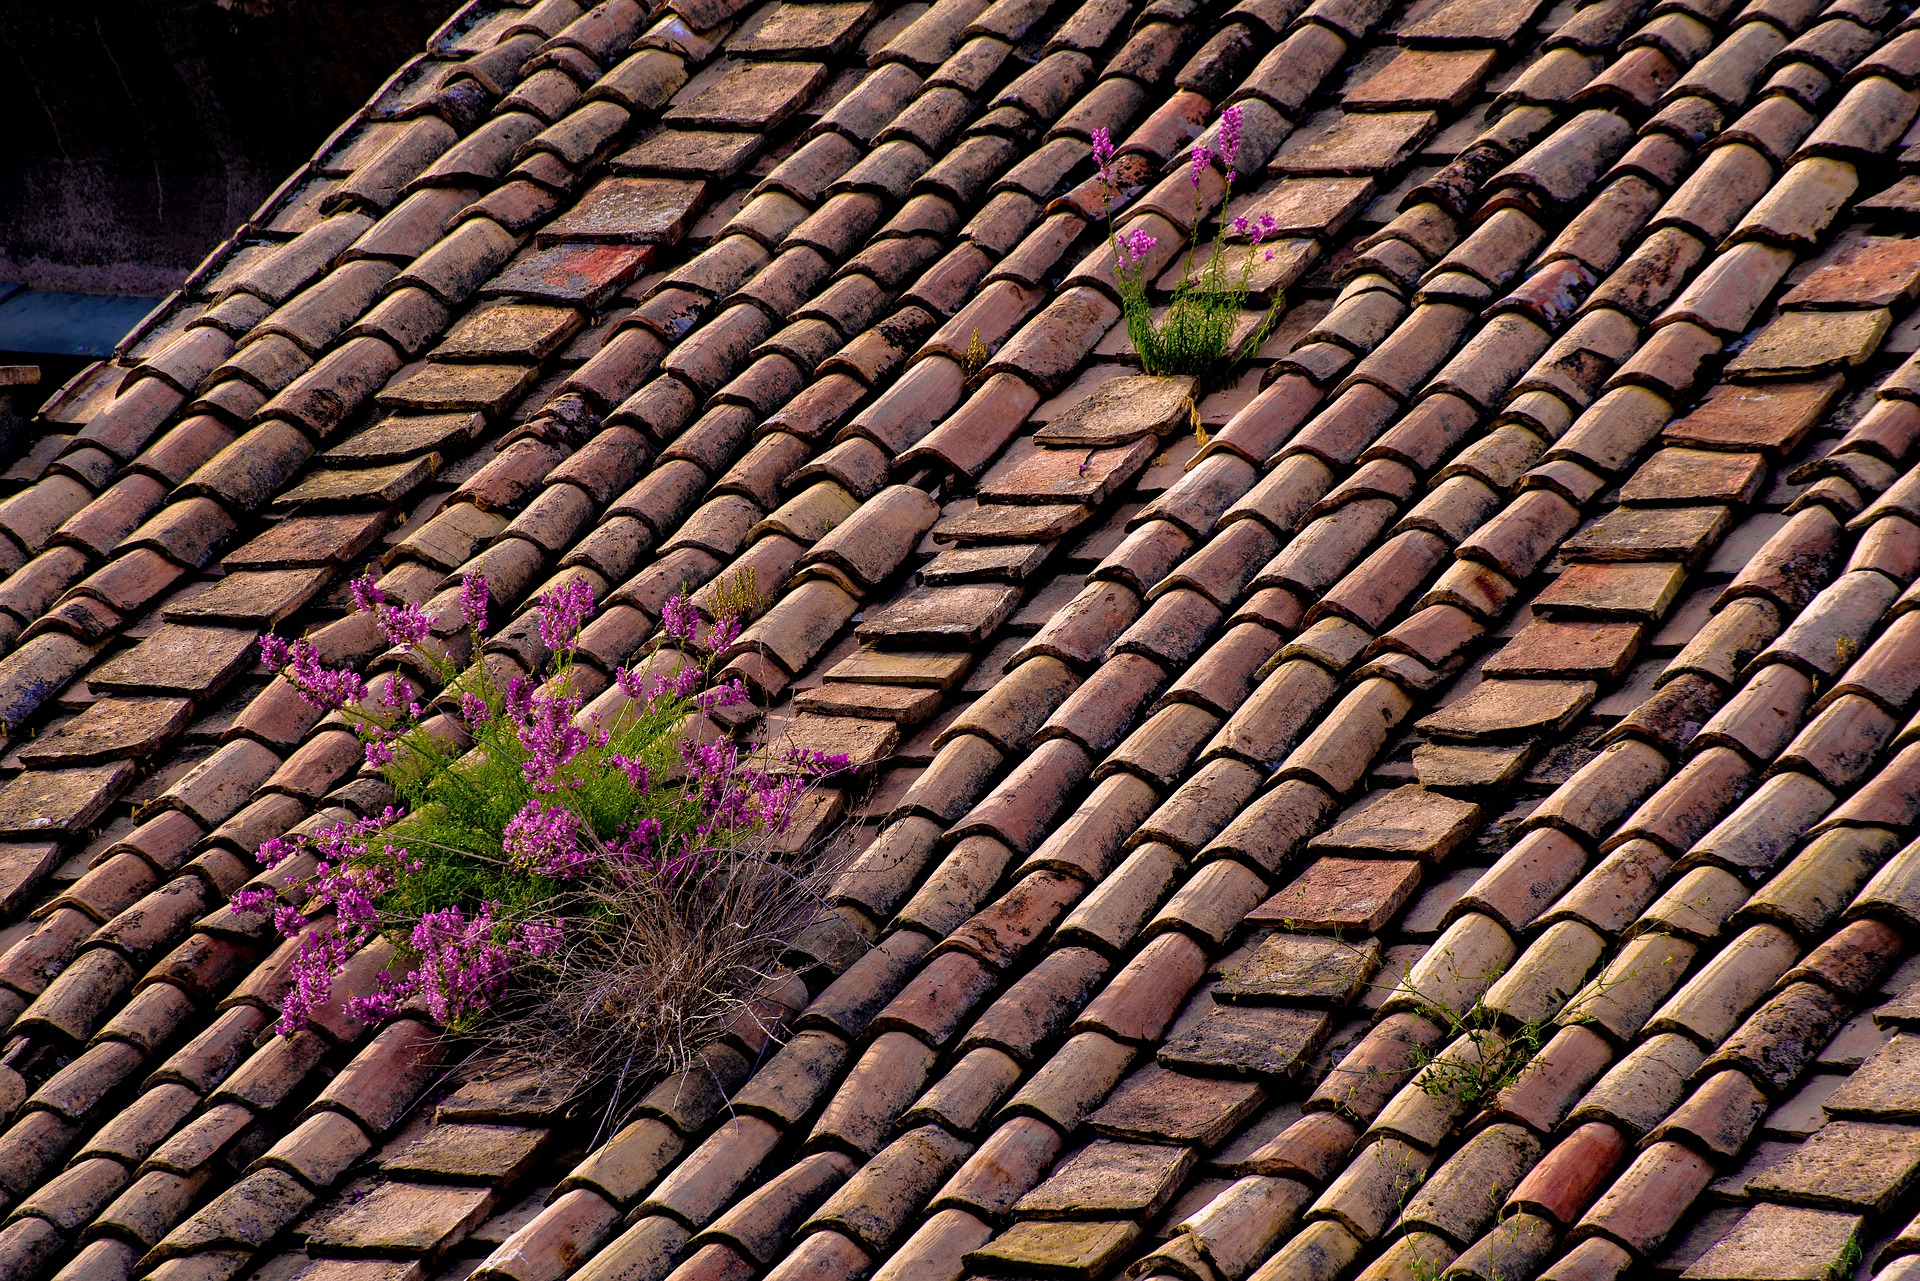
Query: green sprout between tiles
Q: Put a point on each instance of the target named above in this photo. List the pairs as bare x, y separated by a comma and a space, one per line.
1418, 1265
1848, 1263
976, 358
1195, 335
1484, 1052
1498, 1049
1415, 1251
1491, 1050
1495, 1059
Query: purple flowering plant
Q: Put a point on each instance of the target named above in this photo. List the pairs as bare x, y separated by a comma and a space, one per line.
600, 888
1195, 333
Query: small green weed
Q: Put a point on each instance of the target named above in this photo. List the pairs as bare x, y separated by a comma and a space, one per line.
1491, 1061
976, 358
1851, 1256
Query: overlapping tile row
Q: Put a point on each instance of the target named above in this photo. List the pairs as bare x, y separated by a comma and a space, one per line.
51, 946
1521, 891
1536, 646
736, 1145
1162, 746
283, 807
613, 1171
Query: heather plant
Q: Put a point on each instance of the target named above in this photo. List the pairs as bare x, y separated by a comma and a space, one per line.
1195, 334
596, 898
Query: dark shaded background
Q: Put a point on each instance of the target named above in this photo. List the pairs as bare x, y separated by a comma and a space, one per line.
136, 134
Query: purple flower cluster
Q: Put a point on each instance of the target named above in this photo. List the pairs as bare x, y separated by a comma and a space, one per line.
1228, 153
820, 763
322, 954
1188, 336
1134, 247
409, 626
1103, 153
354, 870
1257, 229
737, 796
464, 963
399, 709
545, 840
561, 612
728, 694
276, 850
725, 630
473, 601
367, 596
634, 849
405, 625
1202, 157
546, 729
680, 621
638, 773
327, 688
650, 689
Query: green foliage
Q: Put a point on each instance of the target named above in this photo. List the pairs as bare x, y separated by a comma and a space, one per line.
1480, 1059
1195, 335
1851, 1256
1485, 1051
460, 803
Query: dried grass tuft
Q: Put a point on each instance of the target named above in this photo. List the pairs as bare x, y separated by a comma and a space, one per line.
657, 972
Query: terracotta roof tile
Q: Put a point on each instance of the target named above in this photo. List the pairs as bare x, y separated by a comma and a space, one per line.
1222, 704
